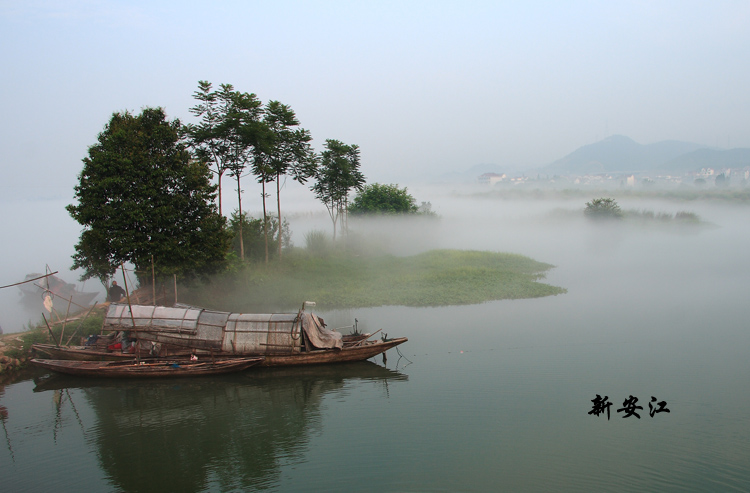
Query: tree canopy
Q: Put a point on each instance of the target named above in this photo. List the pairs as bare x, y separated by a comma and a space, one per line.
383, 199
603, 208
337, 175
285, 151
141, 195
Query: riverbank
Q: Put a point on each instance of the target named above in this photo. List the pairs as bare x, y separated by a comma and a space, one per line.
335, 280
341, 280
15, 348
12, 356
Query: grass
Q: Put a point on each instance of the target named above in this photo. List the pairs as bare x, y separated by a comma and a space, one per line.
341, 280
38, 333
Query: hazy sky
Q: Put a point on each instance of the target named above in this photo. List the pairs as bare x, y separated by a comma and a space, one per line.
422, 86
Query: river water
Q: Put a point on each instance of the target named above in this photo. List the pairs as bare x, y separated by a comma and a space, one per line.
489, 397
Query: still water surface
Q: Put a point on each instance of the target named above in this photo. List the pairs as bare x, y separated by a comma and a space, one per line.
490, 397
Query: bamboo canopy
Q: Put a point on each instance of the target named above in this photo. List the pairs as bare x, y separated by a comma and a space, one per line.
225, 332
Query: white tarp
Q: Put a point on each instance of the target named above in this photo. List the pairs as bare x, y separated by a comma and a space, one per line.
318, 335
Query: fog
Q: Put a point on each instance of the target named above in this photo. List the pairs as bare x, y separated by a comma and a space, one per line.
603, 262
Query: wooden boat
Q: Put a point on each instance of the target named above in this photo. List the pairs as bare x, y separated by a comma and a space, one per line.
81, 353
363, 351
34, 292
88, 353
359, 370
147, 369
282, 338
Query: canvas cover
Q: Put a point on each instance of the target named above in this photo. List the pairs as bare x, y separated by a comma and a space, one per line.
319, 336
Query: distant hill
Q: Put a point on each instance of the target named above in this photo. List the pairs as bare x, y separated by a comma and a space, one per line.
620, 154
709, 158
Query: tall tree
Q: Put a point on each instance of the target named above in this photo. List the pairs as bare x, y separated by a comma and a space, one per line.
244, 129
140, 194
208, 139
335, 178
285, 151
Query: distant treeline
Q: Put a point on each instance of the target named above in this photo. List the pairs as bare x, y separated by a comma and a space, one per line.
737, 195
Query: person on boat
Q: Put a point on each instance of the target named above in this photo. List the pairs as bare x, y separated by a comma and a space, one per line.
115, 293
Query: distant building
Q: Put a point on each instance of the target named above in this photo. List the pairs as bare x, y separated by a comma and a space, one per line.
492, 178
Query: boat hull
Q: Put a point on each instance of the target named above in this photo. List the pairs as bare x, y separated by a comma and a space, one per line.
151, 369
327, 356
81, 353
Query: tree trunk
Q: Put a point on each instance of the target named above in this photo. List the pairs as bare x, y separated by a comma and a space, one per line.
239, 200
220, 174
278, 208
265, 220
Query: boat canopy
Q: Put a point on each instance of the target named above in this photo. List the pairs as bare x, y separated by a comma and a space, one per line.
234, 333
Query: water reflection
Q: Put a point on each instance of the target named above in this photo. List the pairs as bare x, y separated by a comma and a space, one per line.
233, 432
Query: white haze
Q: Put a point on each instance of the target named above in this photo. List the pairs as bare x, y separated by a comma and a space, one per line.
42, 233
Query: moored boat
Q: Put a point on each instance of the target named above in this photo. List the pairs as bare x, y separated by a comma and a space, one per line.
34, 292
363, 351
283, 339
88, 353
148, 369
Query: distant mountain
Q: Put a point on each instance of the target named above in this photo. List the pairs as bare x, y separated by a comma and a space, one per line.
620, 154
709, 158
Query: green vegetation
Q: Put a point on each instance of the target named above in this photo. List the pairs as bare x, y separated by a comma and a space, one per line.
145, 195
255, 245
236, 132
603, 209
681, 217
141, 197
435, 278
39, 333
336, 177
317, 242
383, 199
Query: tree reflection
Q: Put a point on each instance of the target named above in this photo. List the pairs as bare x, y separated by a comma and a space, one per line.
224, 433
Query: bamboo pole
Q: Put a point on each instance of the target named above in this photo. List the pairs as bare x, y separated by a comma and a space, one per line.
30, 280
130, 307
65, 322
50, 330
60, 296
153, 279
366, 338
80, 324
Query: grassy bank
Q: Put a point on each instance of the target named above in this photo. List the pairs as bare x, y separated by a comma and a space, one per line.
15, 349
435, 278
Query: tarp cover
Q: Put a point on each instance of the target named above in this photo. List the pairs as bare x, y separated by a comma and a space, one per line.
319, 336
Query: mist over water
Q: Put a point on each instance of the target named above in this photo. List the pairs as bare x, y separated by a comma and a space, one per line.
494, 396
36, 234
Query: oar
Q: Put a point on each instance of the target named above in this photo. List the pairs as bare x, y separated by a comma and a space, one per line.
365, 339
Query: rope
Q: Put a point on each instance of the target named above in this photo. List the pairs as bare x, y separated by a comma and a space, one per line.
401, 356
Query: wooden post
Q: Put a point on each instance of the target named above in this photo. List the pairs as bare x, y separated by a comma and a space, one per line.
67, 314
50, 330
130, 307
175, 289
80, 324
127, 293
153, 279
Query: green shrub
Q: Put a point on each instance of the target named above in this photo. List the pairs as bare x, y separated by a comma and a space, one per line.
317, 242
603, 208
